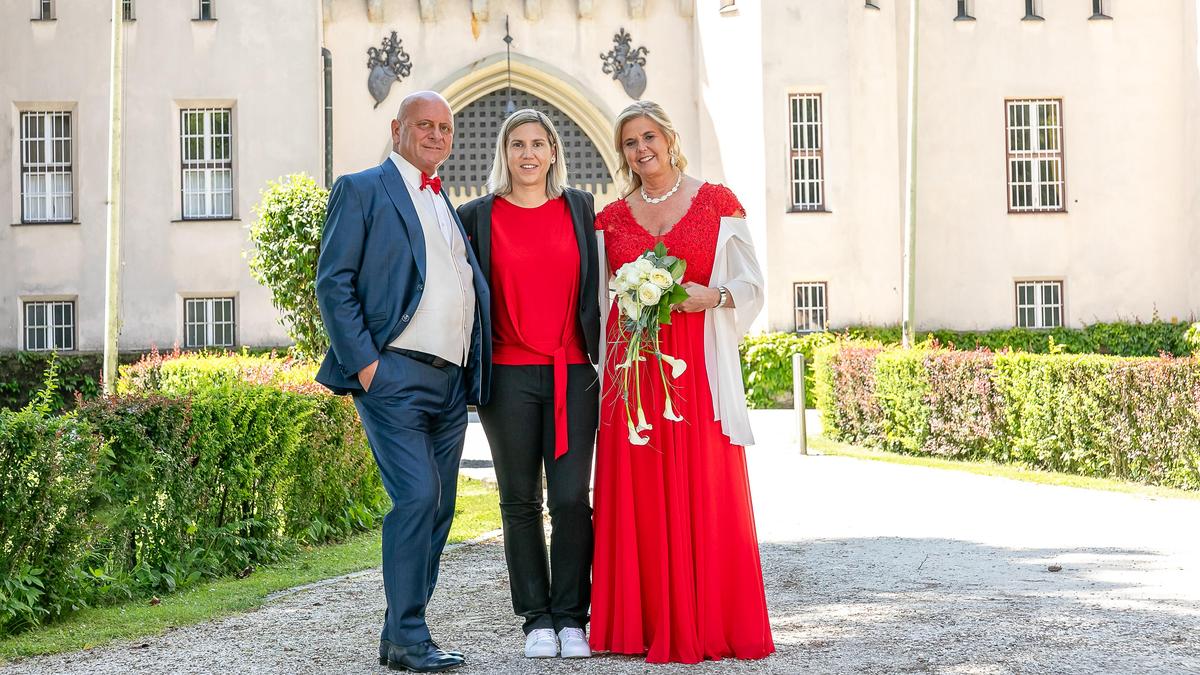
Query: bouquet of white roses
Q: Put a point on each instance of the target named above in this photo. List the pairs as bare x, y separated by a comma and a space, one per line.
646, 290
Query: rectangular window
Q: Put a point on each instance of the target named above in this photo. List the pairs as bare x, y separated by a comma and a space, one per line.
207, 140
1039, 304
46, 176
1033, 10
127, 10
206, 10
208, 322
1035, 155
808, 161
964, 11
1100, 9
50, 325
811, 311
45, 10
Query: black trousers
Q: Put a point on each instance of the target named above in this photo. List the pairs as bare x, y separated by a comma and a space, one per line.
519, 424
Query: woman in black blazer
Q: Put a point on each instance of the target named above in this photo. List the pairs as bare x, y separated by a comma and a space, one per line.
535, 241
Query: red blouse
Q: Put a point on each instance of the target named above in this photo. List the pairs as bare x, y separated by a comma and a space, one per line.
535, 294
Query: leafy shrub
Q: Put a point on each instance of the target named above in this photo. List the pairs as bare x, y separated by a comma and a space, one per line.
46, 466
767, 358
204, 466
1130, 418
767, 367
21, 375
287, 241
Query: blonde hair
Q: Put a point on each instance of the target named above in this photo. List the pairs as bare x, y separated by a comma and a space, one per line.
500, 180
655, 113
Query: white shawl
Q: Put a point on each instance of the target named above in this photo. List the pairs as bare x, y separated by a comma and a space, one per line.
735, 267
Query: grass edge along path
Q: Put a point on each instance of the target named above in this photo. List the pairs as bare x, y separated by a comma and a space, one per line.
477, 512
825, 446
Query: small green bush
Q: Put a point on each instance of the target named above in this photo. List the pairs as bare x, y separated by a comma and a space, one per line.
287, 240
1130, 418
767, 367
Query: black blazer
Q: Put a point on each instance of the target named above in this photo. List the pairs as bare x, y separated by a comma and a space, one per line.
476, 216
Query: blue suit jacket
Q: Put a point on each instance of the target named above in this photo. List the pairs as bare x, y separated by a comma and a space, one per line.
371, 274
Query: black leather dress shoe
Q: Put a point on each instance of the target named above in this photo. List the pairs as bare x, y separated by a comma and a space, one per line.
384, 645
423, 657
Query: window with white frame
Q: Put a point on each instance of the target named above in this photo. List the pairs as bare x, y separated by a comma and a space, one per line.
45, 10
1033, 10
1039, 304
811, 309
807, 155
206, 10
49, 325
208, 322
1035, 155
964, 11
127, 10
46, 175
1100, 9
207, 139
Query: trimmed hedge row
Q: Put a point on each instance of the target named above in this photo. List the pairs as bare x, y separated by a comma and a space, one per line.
198, 469
1130, 418
767, 358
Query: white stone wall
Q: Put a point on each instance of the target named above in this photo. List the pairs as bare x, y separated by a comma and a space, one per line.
265, 68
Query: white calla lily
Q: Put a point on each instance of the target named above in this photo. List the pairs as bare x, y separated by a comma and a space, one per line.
635, 439
642, 424
669, 413
678, 366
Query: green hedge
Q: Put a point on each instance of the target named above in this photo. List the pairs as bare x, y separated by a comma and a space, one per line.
1130, 418
767, 358
191, 473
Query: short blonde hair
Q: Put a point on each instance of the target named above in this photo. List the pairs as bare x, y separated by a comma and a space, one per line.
655, 113
500, 180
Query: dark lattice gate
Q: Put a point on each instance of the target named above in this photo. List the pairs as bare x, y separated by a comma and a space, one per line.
475, 129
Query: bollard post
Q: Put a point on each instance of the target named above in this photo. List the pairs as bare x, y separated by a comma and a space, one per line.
798, 398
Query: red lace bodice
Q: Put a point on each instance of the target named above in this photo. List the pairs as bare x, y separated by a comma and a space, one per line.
693, 238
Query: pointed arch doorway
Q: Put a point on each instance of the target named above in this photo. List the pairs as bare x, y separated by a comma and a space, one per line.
478, 95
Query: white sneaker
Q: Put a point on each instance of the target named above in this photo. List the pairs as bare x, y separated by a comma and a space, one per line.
541, 644
574, 644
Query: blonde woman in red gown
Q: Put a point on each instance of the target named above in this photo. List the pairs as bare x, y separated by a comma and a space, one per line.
676, 574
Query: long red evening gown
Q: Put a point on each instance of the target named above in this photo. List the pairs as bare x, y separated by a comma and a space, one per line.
676, 573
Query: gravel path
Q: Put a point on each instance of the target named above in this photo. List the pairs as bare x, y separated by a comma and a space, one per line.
870, 568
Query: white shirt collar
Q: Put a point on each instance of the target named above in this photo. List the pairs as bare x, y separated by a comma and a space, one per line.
410, 173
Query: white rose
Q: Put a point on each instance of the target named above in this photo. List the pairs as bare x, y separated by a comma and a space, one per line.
661, 278
648, 294
644, 266
630, 307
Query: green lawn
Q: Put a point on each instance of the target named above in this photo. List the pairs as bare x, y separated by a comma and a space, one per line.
825, 446
478, 512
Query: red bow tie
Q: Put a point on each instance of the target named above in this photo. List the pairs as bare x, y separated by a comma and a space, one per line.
435, 183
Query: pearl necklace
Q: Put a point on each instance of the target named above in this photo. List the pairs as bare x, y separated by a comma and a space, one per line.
658, 200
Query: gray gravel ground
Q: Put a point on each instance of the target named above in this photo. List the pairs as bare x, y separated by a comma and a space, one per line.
870, 568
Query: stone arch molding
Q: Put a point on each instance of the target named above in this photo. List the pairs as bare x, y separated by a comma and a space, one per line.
542, 80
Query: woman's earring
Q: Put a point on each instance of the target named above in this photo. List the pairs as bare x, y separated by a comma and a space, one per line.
674, 161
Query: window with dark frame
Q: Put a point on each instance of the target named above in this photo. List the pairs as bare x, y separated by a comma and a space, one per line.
1034, 138
206, 10
1100, 9
1033, 10
47, 188
127, 10
964, 11
807, 154
45, 10
49, 325
811, 309
206, 137
208, 322
1039, 304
